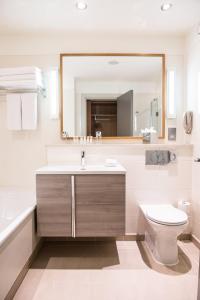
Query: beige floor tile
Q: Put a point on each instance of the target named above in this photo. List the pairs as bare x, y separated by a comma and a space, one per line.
190, 249
122, 270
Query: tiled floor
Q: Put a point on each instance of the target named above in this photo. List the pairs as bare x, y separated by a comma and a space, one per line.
122, 270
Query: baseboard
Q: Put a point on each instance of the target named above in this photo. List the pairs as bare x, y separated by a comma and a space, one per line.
23, 272
196, 241
134, 237
128, 237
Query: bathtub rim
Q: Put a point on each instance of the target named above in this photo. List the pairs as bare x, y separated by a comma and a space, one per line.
9, 230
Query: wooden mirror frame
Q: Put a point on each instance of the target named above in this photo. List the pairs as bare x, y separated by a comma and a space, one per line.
62, 55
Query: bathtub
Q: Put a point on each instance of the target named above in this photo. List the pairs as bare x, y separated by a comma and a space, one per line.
17, 235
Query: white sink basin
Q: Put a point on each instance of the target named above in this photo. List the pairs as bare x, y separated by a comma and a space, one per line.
89, 169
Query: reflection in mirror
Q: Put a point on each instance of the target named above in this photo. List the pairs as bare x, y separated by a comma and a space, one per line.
112, 96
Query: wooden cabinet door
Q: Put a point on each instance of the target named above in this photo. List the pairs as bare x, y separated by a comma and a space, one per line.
54, 198
100, 205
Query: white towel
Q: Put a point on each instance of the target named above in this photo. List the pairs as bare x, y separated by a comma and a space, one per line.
13, 112
21, 84
21, 77
19, 70
29, 111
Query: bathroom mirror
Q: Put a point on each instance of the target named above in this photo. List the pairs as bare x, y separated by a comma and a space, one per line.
112, 95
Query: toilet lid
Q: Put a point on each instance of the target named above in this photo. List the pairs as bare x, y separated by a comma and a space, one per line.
166, 215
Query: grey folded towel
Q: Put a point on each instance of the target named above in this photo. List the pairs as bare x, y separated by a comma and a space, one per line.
157, 157
188, 122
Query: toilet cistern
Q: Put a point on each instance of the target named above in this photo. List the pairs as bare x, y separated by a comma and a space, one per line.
83, 166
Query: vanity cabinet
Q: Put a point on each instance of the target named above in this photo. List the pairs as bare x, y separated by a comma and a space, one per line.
80, 205
100, 205
54, 198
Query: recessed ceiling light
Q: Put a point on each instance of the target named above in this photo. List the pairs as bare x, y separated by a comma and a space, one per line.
81, 5
166, 6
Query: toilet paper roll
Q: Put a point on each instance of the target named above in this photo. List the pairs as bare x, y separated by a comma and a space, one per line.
185, 206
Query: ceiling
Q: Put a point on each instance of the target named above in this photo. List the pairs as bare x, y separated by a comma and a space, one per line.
131, 68
102, 16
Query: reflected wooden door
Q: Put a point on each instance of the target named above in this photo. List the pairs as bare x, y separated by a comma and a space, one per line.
125, 114
102, 116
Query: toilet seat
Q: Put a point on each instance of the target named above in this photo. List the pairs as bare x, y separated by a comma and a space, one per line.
166, 215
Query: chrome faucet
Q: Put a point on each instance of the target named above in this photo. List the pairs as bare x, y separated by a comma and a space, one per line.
83, 166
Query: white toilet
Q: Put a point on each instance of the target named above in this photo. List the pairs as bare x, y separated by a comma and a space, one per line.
164, 223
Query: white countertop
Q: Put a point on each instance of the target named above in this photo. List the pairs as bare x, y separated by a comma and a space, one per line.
74, 170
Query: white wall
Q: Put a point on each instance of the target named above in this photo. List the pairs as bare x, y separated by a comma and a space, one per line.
22, 152
193, 103
45, 45
193, 81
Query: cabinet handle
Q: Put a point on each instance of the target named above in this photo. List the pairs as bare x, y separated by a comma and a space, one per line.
73, 208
